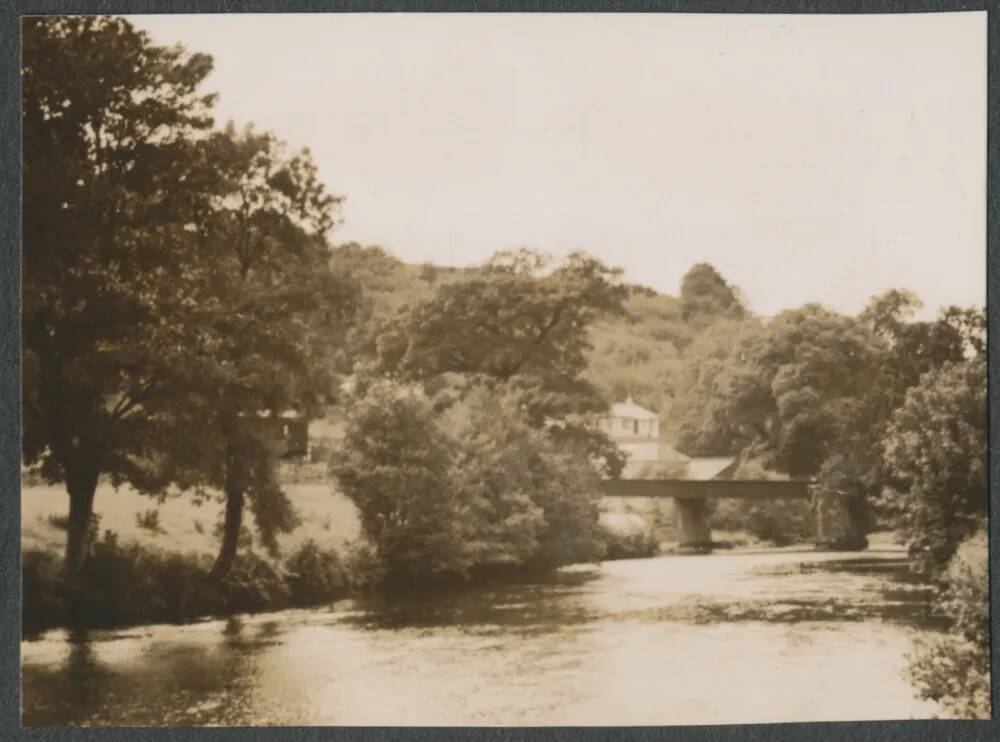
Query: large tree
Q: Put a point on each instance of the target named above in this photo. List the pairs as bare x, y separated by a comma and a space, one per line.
271, 317
112, 197
520, 320
782, 392
908, 349
935, 447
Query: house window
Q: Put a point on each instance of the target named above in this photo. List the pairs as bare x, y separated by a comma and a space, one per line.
635, 427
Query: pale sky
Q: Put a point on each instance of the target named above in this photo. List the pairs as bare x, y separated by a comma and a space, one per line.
809, 158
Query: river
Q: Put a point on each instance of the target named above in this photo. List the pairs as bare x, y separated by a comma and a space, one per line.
720, 638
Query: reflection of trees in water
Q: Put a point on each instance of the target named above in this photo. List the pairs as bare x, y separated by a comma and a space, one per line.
173, 681
83, 686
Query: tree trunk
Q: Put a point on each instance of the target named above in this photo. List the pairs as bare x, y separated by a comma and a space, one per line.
81, 486
236, 483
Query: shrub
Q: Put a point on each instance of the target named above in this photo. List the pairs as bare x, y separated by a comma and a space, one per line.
363, 569
954, 669
253, 584
128, 584
626, 537
472, 488
42, 605
395, 465
314, 575
131, 584
935, 450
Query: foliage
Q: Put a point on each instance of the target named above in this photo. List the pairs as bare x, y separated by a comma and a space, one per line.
270, 321
706, 297
112, 184
474, 489
125, 584
638, 354
783, 392
314, 574
395, 465
519, 319
149, 520
954, 669
386, 285
625, 536
908, 349
722, 403
936, 450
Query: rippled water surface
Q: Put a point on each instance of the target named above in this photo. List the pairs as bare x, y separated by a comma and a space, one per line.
721, 638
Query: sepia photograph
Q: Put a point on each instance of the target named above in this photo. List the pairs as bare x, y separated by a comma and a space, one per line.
488, 370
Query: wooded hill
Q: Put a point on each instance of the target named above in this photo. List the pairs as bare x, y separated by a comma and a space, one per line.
636, 354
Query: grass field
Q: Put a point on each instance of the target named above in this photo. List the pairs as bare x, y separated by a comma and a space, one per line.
327, 517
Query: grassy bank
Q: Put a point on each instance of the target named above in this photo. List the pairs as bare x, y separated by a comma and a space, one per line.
150, 560
328, 518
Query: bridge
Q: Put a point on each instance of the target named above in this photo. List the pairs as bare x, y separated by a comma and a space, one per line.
842, 530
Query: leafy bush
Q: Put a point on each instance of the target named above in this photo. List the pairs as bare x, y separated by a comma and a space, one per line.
954, 669
314, 575
254, 584
41, 591
395, 465
626, 537
936, 452
131, 584
128, 584
474, 487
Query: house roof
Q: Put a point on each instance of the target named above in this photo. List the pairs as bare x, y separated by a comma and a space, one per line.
703, 468
631, 409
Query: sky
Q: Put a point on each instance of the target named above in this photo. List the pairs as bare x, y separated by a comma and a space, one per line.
808, 158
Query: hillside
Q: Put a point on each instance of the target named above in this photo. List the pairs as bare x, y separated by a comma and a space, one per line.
636, 355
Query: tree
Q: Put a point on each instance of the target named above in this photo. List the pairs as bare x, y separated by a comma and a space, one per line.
783, 392
395, 464
475, 489
707, 297
271, 316
519, 319
111, 191
723, 400
935, 448
907, 350
533, 495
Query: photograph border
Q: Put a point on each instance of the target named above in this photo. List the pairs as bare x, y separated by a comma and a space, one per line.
10, 420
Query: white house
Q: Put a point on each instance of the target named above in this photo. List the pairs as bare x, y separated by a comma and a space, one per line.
635, 429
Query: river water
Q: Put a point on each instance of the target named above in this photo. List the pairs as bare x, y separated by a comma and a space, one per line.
720, 638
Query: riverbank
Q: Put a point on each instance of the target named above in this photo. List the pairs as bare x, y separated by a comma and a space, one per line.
146, 571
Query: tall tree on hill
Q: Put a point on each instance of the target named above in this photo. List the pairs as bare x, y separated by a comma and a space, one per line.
519, 320
271, 317
707, 297
111, 191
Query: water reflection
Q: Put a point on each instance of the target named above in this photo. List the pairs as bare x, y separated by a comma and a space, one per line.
650, 641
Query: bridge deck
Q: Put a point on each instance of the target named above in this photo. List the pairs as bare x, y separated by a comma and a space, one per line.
683, 488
